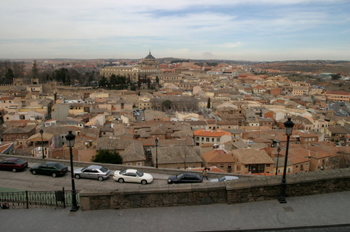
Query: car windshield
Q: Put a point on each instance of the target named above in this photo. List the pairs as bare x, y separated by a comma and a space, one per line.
19, 161
180, 176
59, 166
222, 179
139, 173
103, 169
122, 172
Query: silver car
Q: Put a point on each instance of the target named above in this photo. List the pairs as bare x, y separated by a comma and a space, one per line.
92, 172
224, 178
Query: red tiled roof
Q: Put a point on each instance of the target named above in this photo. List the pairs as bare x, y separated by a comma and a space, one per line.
206, 133
338, 92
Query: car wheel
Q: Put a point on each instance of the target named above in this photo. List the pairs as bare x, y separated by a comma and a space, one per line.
143, 182
54, 175
34, 172
14, 170
77, 176
121, 180
100, 178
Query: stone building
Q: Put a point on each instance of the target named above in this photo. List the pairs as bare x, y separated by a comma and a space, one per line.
148, 66
18, 135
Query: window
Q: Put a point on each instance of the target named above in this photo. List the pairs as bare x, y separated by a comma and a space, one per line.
218, 140
267, 165
207, 139
212, 139
296, 166
288, 170
246, 166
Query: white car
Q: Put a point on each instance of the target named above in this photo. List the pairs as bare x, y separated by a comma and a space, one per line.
224, 178
132, 175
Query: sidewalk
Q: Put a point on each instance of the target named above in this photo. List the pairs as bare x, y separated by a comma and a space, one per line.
317, 210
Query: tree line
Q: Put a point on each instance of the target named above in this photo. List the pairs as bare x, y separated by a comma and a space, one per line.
179, 103
123, 82
10, 70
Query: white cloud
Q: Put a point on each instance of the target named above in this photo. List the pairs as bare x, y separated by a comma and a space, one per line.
231, 45
76, 27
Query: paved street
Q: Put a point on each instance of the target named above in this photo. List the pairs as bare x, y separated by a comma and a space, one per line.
318, 210
24, 180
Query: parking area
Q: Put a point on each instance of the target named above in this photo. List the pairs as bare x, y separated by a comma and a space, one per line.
24, 180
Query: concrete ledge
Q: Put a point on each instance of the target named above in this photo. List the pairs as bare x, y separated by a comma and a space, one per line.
179, 188
254, 183
199, 187
308, 176
330, 174
213, 186
345, 172
133, 190
274, 180
238, 184
89, 193
153, 189
297, 178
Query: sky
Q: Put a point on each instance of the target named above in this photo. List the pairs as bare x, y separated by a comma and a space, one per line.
254, 30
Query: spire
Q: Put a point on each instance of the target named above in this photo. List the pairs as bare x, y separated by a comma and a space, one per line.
150, 52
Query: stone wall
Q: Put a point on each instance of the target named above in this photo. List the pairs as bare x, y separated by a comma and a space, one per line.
234, 191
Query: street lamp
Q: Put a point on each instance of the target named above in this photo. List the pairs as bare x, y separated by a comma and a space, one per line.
156, 152
278, 155
289, 130
70, 143
42, 149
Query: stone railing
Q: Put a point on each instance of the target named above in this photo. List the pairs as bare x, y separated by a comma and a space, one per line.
234, 191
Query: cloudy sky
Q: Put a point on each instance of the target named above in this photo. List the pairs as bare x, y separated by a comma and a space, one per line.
198, 29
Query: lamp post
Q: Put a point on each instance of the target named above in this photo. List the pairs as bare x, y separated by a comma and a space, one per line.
278, 156
70, 143
42, 149
289, 130
156, 152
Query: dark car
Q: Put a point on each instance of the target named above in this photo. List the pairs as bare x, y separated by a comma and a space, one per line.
185, 178
51, 168
13, 164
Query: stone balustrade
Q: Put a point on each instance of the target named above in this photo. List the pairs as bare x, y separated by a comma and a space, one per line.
230, 192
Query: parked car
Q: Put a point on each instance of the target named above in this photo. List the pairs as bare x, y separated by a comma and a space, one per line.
224, 178
92, 172
132, 175
185, 178
50, 168
13, 164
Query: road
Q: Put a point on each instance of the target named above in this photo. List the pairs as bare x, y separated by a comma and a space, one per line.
24, 180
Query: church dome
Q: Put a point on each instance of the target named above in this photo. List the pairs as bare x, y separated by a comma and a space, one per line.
150, 56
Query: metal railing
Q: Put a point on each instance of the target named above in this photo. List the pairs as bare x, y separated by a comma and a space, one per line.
36, 199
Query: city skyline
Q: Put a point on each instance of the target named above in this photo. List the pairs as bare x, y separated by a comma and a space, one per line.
267, 30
